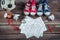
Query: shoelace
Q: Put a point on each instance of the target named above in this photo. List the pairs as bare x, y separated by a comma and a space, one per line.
40, 7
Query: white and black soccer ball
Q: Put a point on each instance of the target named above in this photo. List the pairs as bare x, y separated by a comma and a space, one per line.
51, 17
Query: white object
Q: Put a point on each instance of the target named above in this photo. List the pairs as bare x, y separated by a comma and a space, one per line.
47, 13
32, 13
40, 12
33, 10
26, 13
51, 17
27, 8
47, 9
6, 3
5, 15
16, 16
39, 27
33, 27
25, 26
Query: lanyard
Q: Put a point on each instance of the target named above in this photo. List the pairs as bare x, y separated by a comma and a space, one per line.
10, 21
49, 27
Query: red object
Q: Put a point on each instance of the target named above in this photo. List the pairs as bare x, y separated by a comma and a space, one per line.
15, 28
34, 2
27, 7
33, 6
9, 23
49, 27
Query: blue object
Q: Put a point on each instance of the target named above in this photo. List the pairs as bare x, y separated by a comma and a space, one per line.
46, 8
40, 8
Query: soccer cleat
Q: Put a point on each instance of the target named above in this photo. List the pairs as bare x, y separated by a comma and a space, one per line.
27, 8
33, 8
40, 10
46, 9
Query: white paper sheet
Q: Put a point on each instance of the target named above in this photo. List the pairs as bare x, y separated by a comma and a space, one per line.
33, 27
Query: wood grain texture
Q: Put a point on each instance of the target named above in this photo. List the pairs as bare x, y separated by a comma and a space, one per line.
8, 32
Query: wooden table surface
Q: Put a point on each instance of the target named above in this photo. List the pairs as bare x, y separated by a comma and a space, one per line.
8, 32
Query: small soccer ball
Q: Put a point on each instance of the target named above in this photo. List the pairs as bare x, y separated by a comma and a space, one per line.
51, 17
